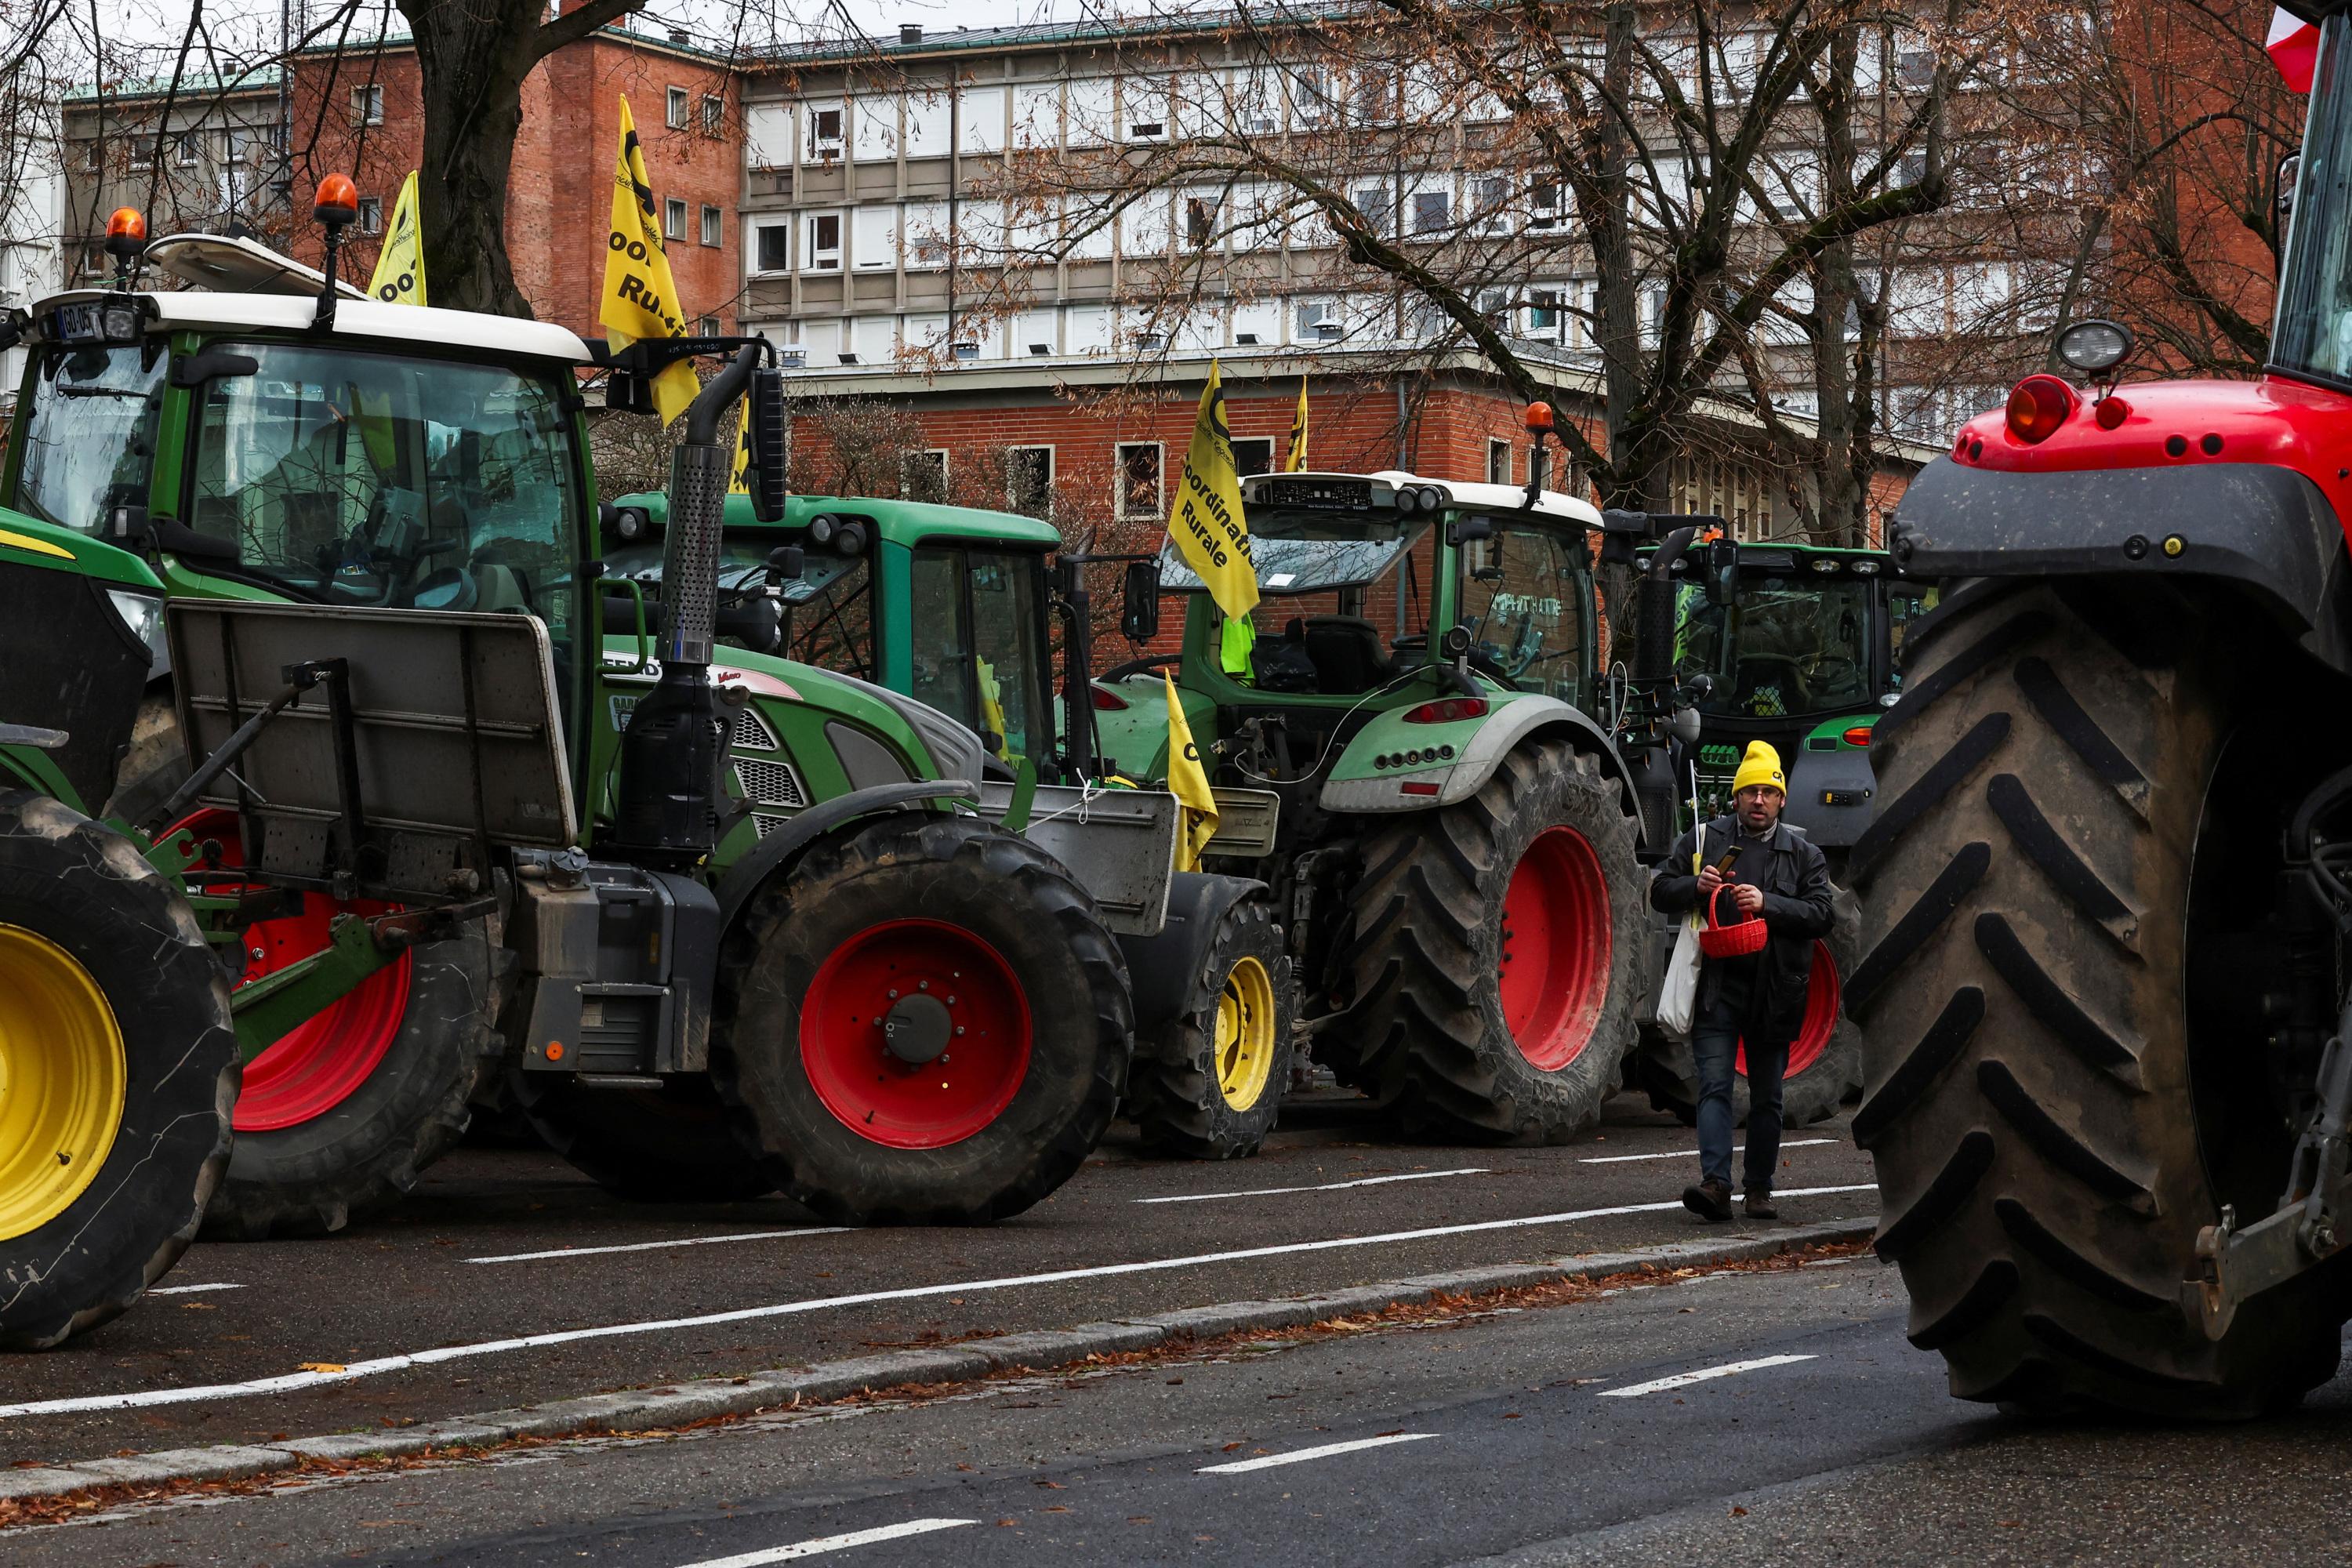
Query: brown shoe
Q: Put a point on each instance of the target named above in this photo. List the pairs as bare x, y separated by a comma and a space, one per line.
1760, 1205
1710, 1200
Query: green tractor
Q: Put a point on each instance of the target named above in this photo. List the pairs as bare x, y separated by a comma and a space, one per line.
955, 606
1459, 848
1800, 645
429, 823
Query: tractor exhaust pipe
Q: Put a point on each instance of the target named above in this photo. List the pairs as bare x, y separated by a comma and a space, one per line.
670, 794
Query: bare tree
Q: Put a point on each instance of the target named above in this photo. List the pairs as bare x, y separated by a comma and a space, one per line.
1662, 201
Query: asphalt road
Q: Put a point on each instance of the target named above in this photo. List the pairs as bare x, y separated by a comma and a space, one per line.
502, 1246
1735, 1418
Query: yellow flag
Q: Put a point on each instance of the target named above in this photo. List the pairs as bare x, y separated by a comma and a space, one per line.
400, 266
1187, 781
640, 299
738, 481
1296, 462
1206, 520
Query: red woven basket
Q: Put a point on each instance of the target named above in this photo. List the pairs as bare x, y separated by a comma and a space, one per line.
1735, 940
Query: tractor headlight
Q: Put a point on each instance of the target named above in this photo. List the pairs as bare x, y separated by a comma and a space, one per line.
143, 617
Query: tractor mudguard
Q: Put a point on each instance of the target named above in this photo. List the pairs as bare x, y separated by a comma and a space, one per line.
743, 877
1510, 723
2263, 527
1830, 794
1160, 968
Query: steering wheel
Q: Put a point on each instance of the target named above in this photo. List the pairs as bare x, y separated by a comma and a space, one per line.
1812, 666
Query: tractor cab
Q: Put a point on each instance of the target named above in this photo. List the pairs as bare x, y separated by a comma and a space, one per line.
1375, 591
946, 604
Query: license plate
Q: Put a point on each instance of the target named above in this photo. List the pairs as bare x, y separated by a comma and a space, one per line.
80, 323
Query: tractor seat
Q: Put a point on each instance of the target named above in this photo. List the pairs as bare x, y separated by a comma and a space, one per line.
1348, 656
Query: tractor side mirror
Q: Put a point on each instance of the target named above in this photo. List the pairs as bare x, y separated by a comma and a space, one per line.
1722, 571
626, 392
1138, 607
2283, 182
770, 425
786, 563
1470, 528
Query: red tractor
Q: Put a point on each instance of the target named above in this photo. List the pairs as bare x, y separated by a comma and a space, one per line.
2108, 891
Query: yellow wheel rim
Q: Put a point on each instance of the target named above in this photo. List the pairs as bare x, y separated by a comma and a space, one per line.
61, 1080
1244, 1034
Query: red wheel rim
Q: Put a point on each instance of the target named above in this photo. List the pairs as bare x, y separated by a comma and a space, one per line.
866, 985
321, 1063
1552, 971
1821, 1016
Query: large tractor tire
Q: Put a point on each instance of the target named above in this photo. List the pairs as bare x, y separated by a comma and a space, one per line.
2050, 1131
1824, 1060
666, 1145
338, 1118
1207, 1084
117, 1068
923, 1022
1499, 948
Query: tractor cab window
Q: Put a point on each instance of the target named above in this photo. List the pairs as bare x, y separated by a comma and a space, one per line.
1343, 598
1904, 604
826, 617
1525, 595
373, 479
2315, 299
976, 639
1789, 643
90, 433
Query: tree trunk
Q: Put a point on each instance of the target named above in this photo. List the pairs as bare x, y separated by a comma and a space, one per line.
471, 59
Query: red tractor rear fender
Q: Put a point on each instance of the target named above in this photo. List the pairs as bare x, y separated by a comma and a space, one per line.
2240, 482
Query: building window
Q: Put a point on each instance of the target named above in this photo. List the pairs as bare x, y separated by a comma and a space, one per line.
823, 132
714, 224
371, 218
190, 148
1200, 221
1029, 481
672, 219
1372, 201
1547, 205
142, 152
678, 106
1433, 211
1498, 461
771, 244
923, 476
367, 105
710, 327
822, 251
1254, 457
714, 114
1139, 480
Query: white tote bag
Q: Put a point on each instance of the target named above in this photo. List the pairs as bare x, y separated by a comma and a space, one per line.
1678, 996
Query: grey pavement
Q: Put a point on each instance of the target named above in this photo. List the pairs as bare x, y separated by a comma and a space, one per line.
786, 1292
1531, 1438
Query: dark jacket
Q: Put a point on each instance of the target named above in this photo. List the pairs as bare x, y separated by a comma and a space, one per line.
1797, 913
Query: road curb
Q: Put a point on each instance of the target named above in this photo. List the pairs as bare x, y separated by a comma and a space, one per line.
674, 1405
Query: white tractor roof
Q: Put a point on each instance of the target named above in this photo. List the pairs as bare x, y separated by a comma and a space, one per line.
254, 289
1503, 498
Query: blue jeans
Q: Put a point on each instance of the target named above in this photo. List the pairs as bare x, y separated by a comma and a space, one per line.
1715, 1043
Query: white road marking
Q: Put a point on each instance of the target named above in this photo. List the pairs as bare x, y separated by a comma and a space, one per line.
189, 1290
1325, 1187
1685, 1379
1302, 1455
824, 1543
657, 1245
1691, 1153
293, 1381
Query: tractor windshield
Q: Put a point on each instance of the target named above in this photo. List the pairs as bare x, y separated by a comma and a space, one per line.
1526, 590
360, 478
1343, 598
1787, 643
2314, 302
90, 433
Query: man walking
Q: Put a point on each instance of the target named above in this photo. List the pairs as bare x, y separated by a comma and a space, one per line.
1775, 875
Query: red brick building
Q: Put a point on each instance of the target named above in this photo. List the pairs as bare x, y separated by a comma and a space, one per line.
357, 110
